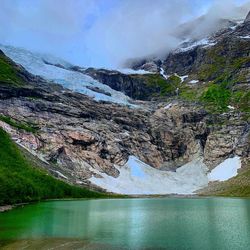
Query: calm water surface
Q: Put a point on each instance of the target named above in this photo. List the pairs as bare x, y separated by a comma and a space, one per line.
169, 223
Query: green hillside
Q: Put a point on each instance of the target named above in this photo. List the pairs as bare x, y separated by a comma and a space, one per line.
21, 182
9, 73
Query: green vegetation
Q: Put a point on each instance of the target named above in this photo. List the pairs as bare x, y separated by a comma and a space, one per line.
21, 182
19, 125
170, 86
221, 67
154, 80
213, 69
241, 100
166, 87
189, 94
217, 97
224, 73
217, 88
8, 73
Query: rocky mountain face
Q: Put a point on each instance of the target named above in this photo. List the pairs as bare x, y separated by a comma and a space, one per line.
227, 49
78, 137
224, 48
247, 17
133, 85
194, 57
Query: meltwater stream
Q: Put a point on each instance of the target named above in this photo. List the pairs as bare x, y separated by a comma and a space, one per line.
163, 223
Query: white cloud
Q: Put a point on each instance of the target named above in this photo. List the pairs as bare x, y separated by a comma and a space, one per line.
103, 33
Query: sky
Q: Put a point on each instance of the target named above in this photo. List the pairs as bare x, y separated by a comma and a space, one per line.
102, 33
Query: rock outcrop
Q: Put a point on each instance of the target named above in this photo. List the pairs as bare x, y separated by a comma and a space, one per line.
247, 17
133, 85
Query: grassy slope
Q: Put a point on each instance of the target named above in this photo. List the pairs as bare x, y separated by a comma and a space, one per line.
220, 76
9, 73
225, 73
20, 182
18, 125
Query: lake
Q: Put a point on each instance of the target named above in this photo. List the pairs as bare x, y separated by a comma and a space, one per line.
153, 223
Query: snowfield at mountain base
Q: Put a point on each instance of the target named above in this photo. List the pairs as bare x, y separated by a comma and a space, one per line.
138, 178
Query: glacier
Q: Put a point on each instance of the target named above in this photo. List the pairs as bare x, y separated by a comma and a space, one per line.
42, 65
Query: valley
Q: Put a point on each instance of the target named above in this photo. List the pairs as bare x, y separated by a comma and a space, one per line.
89, 134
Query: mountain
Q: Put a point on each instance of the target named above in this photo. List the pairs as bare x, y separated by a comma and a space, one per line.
222, 58
172, 127
227, 49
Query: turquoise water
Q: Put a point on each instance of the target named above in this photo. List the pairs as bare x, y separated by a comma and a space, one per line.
164, 223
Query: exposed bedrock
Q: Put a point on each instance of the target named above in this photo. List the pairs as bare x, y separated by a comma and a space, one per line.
83, 137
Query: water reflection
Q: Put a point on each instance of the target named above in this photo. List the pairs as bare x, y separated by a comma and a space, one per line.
136, 223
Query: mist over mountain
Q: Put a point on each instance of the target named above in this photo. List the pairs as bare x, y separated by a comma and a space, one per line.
107, 33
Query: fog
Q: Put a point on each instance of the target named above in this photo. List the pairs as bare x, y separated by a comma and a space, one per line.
104, 33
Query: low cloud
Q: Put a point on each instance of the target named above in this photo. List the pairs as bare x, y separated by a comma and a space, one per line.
105, 33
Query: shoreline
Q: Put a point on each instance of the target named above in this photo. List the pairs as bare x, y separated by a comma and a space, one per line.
6, 208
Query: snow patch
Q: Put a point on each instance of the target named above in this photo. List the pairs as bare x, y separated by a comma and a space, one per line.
245, 37
126, 133
79, 182
162, 72
194, 81
231, 107
226, 170
135, 167
238, 22
234, 27
60, 174
136, 177
183, 78
168, 106
191, 45
134, 72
